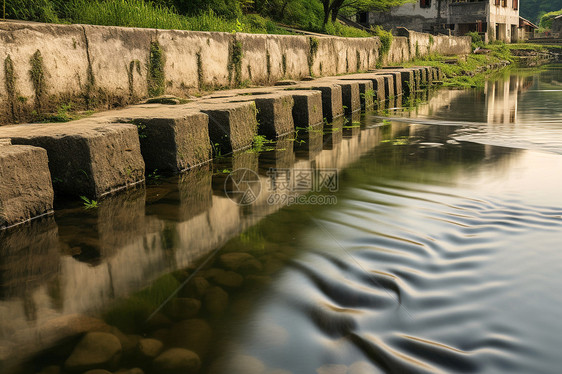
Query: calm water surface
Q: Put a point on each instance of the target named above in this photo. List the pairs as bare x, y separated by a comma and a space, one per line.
439, 254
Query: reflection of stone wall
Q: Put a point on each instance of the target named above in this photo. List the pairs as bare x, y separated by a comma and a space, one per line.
29, 257
117, 221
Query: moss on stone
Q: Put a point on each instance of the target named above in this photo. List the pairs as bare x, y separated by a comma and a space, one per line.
268, 64
314, 43
156, 77
235, 63
37, 75
200, 74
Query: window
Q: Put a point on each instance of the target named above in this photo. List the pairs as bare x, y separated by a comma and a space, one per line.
504, 3
425, 3
496, 2
515, 4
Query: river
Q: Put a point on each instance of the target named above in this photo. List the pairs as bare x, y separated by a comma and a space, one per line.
417, 240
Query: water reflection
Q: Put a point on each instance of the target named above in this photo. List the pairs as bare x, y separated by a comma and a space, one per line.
412, 271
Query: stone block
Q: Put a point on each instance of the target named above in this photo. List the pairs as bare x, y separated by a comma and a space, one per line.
274, 113
332, 105
26, 191
307, 109
408, 81
87, 157
350, 96
232, 125
174, 142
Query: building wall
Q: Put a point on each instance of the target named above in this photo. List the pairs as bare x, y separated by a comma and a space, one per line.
462, 16
503, 19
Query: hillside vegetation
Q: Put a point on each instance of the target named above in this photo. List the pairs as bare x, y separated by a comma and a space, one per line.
252, 16
534, 9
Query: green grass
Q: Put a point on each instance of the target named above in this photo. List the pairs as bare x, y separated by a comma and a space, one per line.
152, 14
471, 72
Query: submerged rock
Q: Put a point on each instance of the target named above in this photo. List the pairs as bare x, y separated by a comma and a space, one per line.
239, 261
332, 369
192, 334
225, 278
177, 361
150, 348
239, 364
216, 300
195, 288
97, 350
98, 371
184, 308
130, 371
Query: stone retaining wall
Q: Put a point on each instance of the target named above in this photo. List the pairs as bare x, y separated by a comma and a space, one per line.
46, 66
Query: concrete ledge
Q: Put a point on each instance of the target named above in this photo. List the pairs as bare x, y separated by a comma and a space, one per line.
377, 84
86, 157
307, 110
172, 138
332, 105
26, 191
408, 81
232, 125
351, 99
274, 112
397, 80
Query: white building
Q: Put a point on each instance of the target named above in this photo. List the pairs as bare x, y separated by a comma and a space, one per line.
495, 19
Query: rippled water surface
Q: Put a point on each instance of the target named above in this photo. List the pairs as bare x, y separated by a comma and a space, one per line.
439, 254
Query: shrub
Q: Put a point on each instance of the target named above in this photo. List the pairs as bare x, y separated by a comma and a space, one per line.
385, 38
477, 41
547, 18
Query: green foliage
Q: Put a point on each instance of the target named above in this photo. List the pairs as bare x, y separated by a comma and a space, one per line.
261, 144
32, 10
10, 78
313, 49
472, 71
235, 63
385, 38
89, 204
534, 9
37, 75
547, 18
338, 29
477, 41
156, 77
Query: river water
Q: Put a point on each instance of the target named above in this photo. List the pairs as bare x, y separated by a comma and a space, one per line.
428, 243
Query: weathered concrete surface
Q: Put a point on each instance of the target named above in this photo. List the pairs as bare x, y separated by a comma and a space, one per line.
366, 94
332, 105
350, 96
173, 138
307, 109
86, 157
26, 191
274, 112
377, 80
388, 85
232, 126
397, 81
76, 68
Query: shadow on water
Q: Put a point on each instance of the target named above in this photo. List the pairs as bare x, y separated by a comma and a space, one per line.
429, 254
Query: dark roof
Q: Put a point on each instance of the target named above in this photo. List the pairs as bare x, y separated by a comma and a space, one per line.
526, 22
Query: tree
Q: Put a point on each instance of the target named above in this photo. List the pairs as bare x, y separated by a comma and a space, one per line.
332, 8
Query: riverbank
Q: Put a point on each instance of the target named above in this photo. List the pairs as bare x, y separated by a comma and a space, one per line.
472, 70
